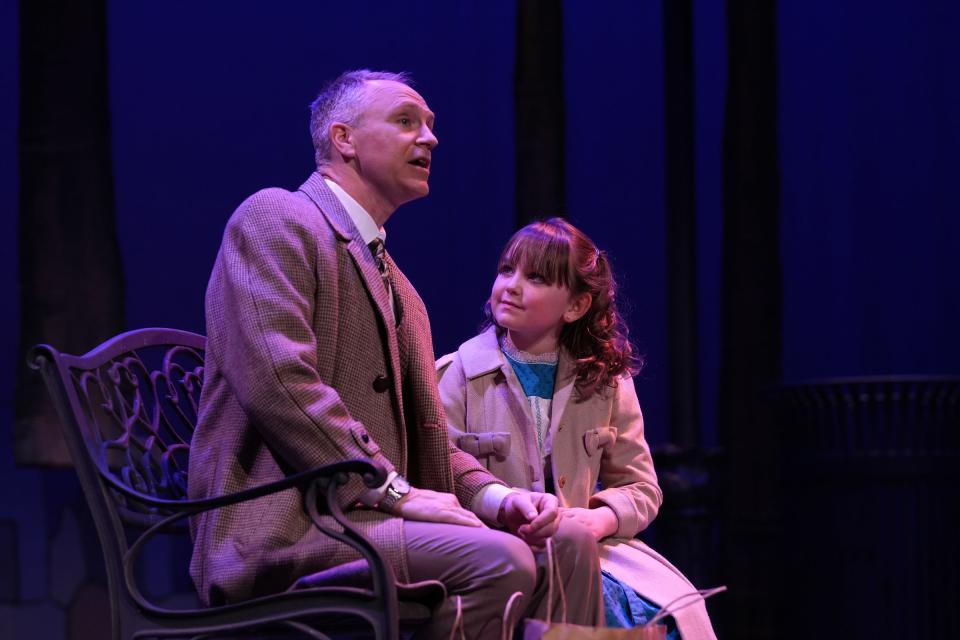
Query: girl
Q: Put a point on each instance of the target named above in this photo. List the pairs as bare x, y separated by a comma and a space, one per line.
544, 397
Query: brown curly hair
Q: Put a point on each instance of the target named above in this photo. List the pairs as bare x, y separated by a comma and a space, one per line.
565, 256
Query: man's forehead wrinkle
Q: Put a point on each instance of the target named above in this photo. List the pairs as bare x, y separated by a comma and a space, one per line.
403, 95
403, 102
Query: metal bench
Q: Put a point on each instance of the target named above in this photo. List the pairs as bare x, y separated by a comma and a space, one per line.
128, 409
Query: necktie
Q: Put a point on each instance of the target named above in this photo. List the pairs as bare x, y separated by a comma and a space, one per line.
379, 254
378, 251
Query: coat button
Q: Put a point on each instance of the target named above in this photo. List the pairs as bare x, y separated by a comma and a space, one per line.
381, 384
562, 481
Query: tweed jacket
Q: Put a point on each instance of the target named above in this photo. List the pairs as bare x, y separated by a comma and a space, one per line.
599, 439
305, 366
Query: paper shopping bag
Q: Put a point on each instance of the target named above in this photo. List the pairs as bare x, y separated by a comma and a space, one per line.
651, 630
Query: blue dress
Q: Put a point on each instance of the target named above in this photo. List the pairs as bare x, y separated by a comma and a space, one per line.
624, 608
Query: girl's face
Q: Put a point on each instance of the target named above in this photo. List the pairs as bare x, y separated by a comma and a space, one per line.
533, 311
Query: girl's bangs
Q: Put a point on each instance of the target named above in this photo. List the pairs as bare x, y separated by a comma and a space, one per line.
547, 254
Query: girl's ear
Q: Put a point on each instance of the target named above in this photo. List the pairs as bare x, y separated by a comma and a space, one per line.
341, 137
579, 305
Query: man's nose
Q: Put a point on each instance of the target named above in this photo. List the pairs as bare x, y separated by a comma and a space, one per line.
427, 138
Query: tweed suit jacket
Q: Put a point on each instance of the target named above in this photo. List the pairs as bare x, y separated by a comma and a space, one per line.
299, 329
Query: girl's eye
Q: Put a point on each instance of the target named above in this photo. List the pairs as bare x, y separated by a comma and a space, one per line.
505, 269
535, 277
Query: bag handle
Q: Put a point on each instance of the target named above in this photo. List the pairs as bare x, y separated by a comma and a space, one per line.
669, 609
458, 621
553, 569
506, 629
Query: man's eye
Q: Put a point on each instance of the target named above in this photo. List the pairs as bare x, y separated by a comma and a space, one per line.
405, 121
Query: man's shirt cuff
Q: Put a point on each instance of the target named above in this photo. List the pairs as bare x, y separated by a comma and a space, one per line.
372, 497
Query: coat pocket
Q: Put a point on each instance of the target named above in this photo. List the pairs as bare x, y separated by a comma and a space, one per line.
596, 439
483, 445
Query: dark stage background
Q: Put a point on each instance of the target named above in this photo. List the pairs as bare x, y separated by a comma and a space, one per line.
208, 103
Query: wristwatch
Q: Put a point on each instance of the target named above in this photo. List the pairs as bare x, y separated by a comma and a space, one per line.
396, 491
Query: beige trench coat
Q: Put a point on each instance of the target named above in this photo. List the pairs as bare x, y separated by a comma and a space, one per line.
599, 439
305, 366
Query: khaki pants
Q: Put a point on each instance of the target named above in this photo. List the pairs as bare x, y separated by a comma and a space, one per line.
485, 567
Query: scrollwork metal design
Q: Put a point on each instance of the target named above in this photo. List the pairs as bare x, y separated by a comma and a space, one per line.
141, 410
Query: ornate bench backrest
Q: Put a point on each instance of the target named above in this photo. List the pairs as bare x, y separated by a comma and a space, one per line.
129, 408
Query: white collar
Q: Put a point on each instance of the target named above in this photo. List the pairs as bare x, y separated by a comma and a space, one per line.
517, 355
361, 219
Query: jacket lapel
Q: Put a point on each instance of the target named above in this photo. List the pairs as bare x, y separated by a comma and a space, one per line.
481, 355
566, 377
317, 190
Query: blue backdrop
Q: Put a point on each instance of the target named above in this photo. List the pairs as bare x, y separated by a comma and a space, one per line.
209, 103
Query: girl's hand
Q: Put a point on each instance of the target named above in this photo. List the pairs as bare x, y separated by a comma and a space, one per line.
530, 515
601, 521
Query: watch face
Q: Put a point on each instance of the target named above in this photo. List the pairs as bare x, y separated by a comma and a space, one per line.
400, 485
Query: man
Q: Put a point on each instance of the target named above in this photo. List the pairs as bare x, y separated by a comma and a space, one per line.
320, 350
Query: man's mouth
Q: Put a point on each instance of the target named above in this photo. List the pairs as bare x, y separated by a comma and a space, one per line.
423, 163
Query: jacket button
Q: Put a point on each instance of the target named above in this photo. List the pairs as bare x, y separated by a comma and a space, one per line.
562, 481
365, 438
381, 384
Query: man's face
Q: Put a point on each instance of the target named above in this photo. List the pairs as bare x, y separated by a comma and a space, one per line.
393, 140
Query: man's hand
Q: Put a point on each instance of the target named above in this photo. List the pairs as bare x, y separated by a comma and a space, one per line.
532, 516
432, 506
601, 521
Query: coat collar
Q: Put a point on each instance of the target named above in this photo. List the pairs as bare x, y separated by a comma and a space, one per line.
481, 354
346, 231
321, 195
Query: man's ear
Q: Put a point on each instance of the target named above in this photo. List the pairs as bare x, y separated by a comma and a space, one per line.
341, 137
579, 305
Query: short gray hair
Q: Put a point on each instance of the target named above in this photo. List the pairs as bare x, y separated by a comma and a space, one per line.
342, 101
